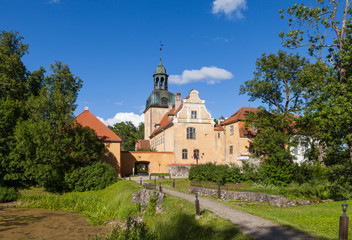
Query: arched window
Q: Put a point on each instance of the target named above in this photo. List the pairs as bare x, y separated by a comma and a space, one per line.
191, 133
157, 83
162, 83
184, 154
196, 154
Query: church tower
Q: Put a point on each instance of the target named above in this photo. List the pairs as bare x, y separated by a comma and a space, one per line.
158, 102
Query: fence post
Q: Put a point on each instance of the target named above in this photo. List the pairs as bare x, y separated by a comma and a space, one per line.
196, 202
140, 181
124, 177
150, 177
343, 227
219, 191
130, 178
155, 181
160, 187
173, 183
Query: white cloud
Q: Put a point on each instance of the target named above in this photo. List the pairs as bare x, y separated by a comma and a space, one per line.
123, 117
210, 75
120, 103
228, 7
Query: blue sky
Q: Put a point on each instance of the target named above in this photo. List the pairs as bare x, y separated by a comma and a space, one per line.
113, 46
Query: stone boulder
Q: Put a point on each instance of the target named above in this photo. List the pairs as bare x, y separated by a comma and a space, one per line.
143, 197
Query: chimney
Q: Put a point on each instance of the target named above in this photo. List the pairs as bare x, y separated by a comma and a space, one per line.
86, 108
178, 101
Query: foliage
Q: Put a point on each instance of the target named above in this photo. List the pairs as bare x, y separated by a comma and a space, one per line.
39, 141
329, 89
100, 207
92, 177
215, 173
8, 194
308, 172
129, 134
135, 230
159, 174
278, 83
279, 175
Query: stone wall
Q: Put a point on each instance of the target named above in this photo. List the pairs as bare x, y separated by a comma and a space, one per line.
274, 200
179, 170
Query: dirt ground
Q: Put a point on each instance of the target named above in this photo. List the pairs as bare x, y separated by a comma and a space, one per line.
31, 223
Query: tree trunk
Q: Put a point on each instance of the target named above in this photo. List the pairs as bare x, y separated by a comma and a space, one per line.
320, 156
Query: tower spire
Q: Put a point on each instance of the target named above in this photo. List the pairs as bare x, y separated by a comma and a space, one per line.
161, 48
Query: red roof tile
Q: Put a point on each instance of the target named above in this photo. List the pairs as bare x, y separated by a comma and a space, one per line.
87, 119
142, 144
218, 127
166, 121
239, 115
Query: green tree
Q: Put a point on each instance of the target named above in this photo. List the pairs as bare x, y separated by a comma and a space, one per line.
277, 82
129, 134
49, 143
330, 94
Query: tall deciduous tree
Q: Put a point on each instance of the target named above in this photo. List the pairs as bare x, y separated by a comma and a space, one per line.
129, 134
278, 83
325, 28
49, 143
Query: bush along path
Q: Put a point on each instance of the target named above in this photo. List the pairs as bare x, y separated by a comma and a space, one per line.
250, 225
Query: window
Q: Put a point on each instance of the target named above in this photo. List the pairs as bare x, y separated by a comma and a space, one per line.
219, 135
191, 133
254, 127
231, 130
251, 149
193, 114
196, 153
184, 154
231, 149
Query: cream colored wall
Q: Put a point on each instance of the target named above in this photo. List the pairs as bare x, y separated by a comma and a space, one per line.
219, 153
204, 127
151, 117
240, 145
204, 142
158, 161
112, 155
164, 141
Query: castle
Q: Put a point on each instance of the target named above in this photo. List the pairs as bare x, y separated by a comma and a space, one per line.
186, 128
181, 131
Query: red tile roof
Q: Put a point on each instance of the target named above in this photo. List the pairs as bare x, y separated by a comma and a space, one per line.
87, 119
166, 121
218, 127
142, 144
239, 115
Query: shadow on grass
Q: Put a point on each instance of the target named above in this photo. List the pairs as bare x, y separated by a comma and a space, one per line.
184, 226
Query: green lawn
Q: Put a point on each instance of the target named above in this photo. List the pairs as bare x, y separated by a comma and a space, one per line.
176, 221
320, 220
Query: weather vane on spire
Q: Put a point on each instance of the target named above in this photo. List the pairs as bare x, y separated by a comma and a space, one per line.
161, 48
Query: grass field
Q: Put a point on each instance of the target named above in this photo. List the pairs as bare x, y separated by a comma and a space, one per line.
176, 221
320, 220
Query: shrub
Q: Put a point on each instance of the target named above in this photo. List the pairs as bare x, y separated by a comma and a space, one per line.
279, 175
8, 194
135, 230
92, 177
216, 173
159, 174
309, 171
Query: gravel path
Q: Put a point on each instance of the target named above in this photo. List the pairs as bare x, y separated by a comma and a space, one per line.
254, 226
251, 225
